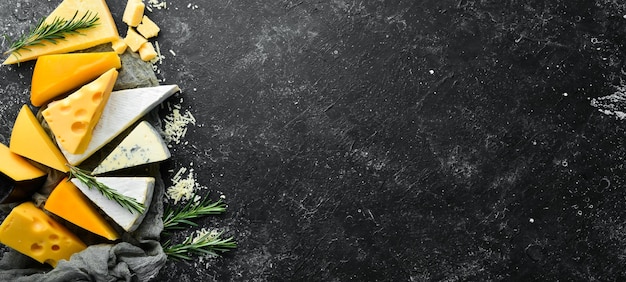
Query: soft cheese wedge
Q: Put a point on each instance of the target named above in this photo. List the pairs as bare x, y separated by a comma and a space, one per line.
139, 188
19, 179
57, 74
69, 203
123, 109
104, 31
73, 118
32, 232
28, 139
143, 145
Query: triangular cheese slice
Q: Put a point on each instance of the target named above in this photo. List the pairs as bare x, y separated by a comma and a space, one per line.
69, 203
138, 188
105, 31
57, 74
73, 119
143, 145
123, 109
29, 140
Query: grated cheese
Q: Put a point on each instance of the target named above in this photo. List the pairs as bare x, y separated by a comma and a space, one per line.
157, 4
176, 124
183, 188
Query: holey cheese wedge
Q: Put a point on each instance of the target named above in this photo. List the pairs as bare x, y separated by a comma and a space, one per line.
123, 109
143, 145
30, 231
104, 31
29, 140
139, 188
57, 74
73, 118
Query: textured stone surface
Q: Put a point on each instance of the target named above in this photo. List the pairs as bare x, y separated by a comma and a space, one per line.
394, 140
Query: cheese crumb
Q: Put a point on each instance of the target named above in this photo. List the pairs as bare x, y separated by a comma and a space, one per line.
176, 124
183, 188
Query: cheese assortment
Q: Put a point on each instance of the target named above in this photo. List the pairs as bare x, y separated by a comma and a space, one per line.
32, 232
75, 125
55, 75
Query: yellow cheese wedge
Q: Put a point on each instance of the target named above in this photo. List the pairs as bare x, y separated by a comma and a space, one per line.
147, 52
16, 167
133, 12
134, 40
148, 28
119, 46
32, 232
73, 118
68, 202
29, 140
105, 31
57, 74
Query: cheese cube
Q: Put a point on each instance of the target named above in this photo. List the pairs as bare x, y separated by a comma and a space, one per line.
134, 40
32, 232
119, 46
147, 52
133, 12
148, 28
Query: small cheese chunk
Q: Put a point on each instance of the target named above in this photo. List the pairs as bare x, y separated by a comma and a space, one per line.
143, 145
134, 40
19, 179
138, 188
72, 119
29, 140
69, 203
57, 74
32, 232
123, 109
148, 28
104, 31
119, 46
133, 12
147, 52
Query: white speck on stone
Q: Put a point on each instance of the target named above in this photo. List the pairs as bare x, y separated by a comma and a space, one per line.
431, 71
531, 220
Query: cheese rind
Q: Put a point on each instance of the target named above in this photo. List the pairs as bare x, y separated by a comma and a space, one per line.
138, 188
30, 140
57, 74
133, 12
32, 232
143, 145
69, 203
148, 28
105, 31
72, 119
134, 40
123, 109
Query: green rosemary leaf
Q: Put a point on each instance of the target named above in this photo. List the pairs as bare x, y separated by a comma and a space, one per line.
204, 243
52, 32
175, 217
90, 181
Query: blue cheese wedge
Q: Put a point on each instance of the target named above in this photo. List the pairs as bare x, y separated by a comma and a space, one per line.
143, 145
123, 109
138, 188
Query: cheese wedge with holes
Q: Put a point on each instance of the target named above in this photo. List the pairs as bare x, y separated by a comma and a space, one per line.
69, 203
57, 74
124, 108
72, 119
138, 188
32, 232
143, 145
105, 31
30, 140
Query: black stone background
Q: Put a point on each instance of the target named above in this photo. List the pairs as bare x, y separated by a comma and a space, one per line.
429, 140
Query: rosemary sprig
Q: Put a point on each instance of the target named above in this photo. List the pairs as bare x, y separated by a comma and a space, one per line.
90, 181
52, 32
174, 217
207, 243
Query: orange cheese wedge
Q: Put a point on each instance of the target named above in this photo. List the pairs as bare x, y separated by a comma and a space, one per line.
73, 118
16, 167
57, 74
29, 140
69, 203
104, 31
